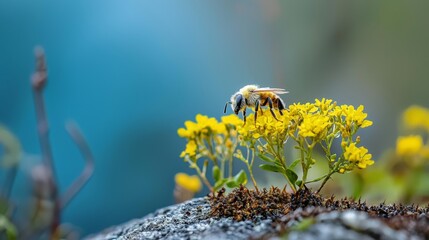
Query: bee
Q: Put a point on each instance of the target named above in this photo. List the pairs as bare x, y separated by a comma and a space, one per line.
254, 97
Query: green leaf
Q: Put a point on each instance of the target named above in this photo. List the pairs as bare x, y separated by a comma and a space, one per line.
241, 177
298, 183
266, 158
298, 147
305, 224
206, 163
294, 163
291, 175
11, 148
279, 164
6, 225
317, 179
5, 207
216, 173
232, 184
271, 168
219, 184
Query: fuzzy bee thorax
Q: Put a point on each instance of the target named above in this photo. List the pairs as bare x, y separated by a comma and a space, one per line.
247, 91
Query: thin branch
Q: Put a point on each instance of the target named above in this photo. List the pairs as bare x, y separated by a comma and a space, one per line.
38, 82
86, 174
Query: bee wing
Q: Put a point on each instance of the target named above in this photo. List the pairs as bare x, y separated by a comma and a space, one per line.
273, 90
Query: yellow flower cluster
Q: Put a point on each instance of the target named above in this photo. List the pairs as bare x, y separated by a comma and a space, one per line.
358, 156
190, 183
232, 120
202, 126
324, 105
266, 126
314, 125
355, 116
191, 149
308, 124
416, 117
205, 128
409, 145
210, 140
312, 120
349, 119
412, 147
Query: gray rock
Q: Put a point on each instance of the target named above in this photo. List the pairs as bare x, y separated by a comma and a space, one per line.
349, 225
190, 220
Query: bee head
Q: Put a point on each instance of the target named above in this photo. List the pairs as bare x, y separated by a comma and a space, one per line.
237, 103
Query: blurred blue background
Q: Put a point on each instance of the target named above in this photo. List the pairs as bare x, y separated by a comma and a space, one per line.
131, 72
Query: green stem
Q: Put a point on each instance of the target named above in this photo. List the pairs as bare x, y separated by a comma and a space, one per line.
280, 160
325, 180
308, 162
304, 166
230, 167
212, 151
275, 153
200, 174
328, 151
292, 186
250, 167
222, 168
317, 179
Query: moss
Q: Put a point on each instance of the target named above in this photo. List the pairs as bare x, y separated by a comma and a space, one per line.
246, 204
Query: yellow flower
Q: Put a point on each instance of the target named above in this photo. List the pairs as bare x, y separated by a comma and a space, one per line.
356, 116
189, 131
297, 109
183, 133
203, 125
358, 156
191, 149
246, 131
191, 183
324, 105
232, 120
314, 125
201, 119
416, 117
409, 145
266, 126
218, 128
337, 111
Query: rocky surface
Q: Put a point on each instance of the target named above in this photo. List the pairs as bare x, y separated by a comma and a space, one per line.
190, 220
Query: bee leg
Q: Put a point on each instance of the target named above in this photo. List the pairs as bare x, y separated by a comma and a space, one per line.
265, 102
256, 110
244, 116
226, 104
281, 105
270, 104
